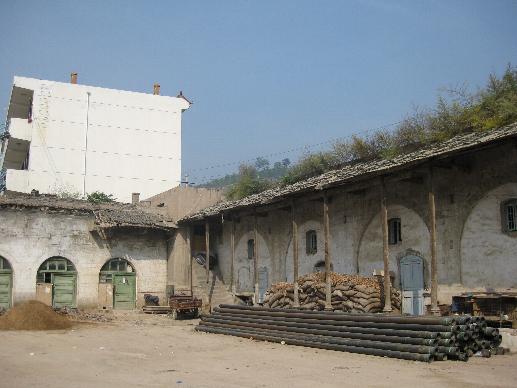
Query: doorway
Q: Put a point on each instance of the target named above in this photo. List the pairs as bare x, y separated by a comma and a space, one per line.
122, 277
6, 284
60, 275
412, 284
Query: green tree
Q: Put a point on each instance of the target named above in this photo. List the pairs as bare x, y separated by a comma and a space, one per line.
248, 183
100, 197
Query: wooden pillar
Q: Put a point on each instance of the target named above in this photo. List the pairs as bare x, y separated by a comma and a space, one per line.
232, 247
188, 249
207, 248
326, 228
255, 257
432, 230
386, 252
295, 255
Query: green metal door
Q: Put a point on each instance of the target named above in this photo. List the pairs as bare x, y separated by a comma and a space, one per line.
64, 290
124, 291
5, 290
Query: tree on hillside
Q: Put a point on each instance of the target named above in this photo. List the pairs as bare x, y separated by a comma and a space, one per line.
248, 183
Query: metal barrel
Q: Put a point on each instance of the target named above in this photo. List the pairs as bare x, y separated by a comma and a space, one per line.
322, 345
323, 325
341, 318
313, 331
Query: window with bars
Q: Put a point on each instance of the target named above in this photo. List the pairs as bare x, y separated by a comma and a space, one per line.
251, 249
4, 265
311, 242
112, 266
394, 231
509, 215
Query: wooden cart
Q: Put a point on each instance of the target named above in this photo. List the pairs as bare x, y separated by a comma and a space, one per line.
184, 305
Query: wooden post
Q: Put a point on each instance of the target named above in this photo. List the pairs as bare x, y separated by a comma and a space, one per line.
295, 255
255, 258
432, 229
326, 229
207, 261
386, 252
232, 243
189, 255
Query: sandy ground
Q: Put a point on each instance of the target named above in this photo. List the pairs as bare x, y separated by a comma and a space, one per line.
154, 351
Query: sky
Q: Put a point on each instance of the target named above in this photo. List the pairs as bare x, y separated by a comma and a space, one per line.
268, 78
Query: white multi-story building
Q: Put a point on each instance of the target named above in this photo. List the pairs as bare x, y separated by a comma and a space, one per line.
66, 137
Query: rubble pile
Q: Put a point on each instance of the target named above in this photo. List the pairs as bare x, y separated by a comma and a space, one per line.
350, 293
80, 315
33, 315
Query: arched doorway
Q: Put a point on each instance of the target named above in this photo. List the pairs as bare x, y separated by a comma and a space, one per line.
6, 283
58, 278
120, 273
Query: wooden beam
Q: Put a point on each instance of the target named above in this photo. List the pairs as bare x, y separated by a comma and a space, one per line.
255, 258
207, 261
326, 227
232, 247
189, 257
432, 230
386, 252
295, 254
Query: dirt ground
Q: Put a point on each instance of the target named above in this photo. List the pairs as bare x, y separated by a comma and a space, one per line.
153, 351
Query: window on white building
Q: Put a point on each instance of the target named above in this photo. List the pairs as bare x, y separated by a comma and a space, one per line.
394, 231
509, 215
311, 242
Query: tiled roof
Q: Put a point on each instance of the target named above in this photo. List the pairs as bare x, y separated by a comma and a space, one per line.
111, 214
356, 171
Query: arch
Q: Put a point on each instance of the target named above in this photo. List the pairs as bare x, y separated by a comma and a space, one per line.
117, 280
414, 235
56, 282
6, 283
487, 251
307, 259
244, 266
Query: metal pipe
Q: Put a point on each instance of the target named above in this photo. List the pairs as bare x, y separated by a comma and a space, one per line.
320, 345
360, 316
325, 325
343, 320
328, 333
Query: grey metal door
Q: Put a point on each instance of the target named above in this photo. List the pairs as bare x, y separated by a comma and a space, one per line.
263, 280
412, 279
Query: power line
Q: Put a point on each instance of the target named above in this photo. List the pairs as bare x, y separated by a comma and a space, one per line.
305, 147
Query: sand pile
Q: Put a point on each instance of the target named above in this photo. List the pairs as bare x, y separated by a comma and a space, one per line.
33, 315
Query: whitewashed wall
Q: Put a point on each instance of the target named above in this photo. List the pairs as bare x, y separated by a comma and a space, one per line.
133, 140
29, 237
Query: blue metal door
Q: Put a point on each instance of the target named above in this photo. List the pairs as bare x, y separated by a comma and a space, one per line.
412, 279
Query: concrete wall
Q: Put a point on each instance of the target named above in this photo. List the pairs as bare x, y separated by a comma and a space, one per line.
132, 140
29, 237
473, 251
180, 201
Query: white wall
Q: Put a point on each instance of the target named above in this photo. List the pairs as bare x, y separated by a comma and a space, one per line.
29, 237
133, 140
488, 255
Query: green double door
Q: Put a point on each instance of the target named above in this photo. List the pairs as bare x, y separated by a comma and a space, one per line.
5, 290
124, 291
64, 290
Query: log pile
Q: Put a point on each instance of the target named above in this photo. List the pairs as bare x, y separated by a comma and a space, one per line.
405, 337
350, 293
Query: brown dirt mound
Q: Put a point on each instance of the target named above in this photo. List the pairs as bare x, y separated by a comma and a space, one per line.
33, 315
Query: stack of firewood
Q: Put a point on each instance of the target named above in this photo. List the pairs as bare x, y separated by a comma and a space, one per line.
350, 293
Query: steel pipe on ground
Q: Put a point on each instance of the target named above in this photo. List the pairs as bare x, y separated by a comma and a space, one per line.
321, 345
338, 319
363, 317
422, 349
327, 333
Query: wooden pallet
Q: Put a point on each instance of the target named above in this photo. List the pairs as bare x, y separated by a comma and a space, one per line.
156, 309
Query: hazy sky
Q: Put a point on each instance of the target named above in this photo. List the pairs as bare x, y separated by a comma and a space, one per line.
266, 77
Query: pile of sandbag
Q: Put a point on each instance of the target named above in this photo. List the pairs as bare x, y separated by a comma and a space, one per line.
350, 293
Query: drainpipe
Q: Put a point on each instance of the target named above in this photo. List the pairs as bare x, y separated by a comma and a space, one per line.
86, 141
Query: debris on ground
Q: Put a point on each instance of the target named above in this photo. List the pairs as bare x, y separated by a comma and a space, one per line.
33, 315
80, 315
350, 293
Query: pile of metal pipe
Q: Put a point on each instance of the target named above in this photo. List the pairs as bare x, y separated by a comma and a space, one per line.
405, 337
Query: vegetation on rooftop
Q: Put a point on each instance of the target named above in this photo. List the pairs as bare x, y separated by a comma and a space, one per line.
456, 111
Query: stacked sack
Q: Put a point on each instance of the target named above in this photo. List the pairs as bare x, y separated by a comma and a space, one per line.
350, 293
